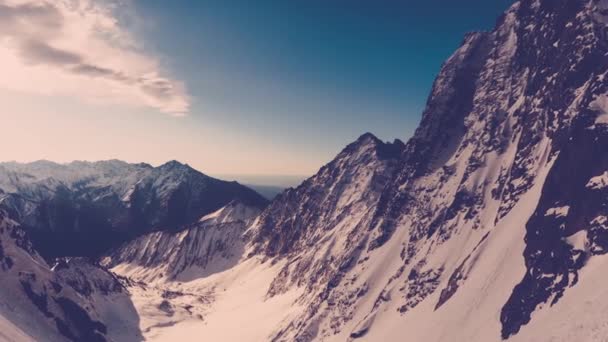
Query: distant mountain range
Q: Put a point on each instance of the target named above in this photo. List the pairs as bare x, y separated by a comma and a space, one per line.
84, 208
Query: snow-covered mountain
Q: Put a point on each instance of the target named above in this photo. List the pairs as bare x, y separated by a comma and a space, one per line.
213, 244
75, 300
84, 208
489, 224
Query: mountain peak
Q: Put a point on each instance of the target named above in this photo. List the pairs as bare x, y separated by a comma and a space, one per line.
369, 142
367, 136
173, 164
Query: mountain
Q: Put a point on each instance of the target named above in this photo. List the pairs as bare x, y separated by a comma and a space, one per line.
213, 244
489, 224
82, 208
75, 300
341, 194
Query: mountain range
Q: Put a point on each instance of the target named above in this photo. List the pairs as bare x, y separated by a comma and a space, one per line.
83, 208
489, 224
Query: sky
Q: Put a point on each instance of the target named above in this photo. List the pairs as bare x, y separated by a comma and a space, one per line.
231, 87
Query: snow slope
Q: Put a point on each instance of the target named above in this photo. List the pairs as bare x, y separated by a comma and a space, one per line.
236, 309
213, 244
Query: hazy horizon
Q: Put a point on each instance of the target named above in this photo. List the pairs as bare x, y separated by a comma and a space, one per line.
271, 180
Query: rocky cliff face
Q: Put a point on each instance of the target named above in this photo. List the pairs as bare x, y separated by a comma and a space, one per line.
513, 138
342, 192
82, 209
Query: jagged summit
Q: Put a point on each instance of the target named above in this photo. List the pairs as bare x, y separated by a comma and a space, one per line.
174, 164
383, 150
349, 183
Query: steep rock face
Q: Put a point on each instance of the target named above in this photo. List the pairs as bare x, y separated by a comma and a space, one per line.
107, 294
75, 302
213, 244
341, 192
511, 146
82, 209
322, 227
573, 52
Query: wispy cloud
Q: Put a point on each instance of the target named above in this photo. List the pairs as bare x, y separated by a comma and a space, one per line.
79, 48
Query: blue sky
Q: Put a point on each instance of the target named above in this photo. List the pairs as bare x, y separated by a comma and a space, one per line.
278, 87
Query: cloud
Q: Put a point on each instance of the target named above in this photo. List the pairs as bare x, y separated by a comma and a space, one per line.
79, 48
37, 52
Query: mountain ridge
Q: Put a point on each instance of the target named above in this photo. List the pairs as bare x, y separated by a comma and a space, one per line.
103, 203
